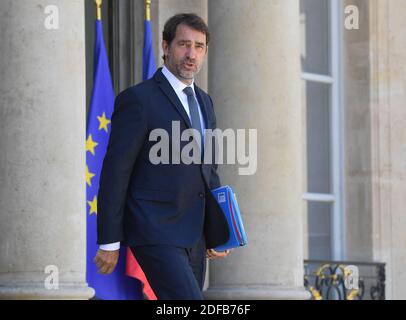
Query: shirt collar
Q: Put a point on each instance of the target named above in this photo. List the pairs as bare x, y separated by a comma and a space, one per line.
176, 84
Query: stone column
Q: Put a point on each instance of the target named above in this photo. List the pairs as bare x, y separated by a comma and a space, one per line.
42, 157
388, 140
254, 80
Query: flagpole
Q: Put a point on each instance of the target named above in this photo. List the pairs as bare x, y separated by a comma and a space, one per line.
98, 4
148, 10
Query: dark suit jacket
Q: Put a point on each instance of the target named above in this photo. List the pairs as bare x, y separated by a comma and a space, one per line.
140, 203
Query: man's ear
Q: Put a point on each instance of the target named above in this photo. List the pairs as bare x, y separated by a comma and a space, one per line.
165, 47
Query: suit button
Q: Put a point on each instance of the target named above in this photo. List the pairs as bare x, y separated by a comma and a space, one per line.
201, 195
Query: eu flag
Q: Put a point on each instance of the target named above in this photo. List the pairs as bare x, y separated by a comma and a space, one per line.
148, 60
117, 285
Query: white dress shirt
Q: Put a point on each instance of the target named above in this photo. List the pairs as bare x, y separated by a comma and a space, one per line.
178, 86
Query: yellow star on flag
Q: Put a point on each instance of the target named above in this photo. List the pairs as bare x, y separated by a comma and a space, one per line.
93, 205
103, 122
89, 176
90, 145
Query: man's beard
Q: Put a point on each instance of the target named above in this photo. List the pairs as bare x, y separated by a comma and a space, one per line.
187, 74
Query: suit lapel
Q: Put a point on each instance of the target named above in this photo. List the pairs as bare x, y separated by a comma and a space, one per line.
206, 168
203, 107
167, 89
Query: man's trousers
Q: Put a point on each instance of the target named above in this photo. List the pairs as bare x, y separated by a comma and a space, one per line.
174, 273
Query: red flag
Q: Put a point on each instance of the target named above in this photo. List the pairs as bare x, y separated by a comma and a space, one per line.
133, 269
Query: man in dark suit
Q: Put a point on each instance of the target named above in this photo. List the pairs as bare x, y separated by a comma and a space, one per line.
165, 213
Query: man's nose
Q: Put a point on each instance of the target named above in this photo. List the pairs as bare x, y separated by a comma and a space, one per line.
191, 52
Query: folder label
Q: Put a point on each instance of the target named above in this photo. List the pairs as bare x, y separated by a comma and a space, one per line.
221, 197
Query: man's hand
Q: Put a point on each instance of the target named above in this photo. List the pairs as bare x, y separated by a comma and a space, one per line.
106, 261
213, 254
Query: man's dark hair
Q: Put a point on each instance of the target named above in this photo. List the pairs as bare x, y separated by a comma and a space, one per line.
191, 20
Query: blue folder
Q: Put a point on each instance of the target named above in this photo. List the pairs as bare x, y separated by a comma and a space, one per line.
227, 201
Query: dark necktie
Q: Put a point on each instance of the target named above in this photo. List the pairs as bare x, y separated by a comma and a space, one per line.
194, 111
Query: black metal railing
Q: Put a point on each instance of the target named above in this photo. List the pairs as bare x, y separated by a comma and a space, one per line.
344, 280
